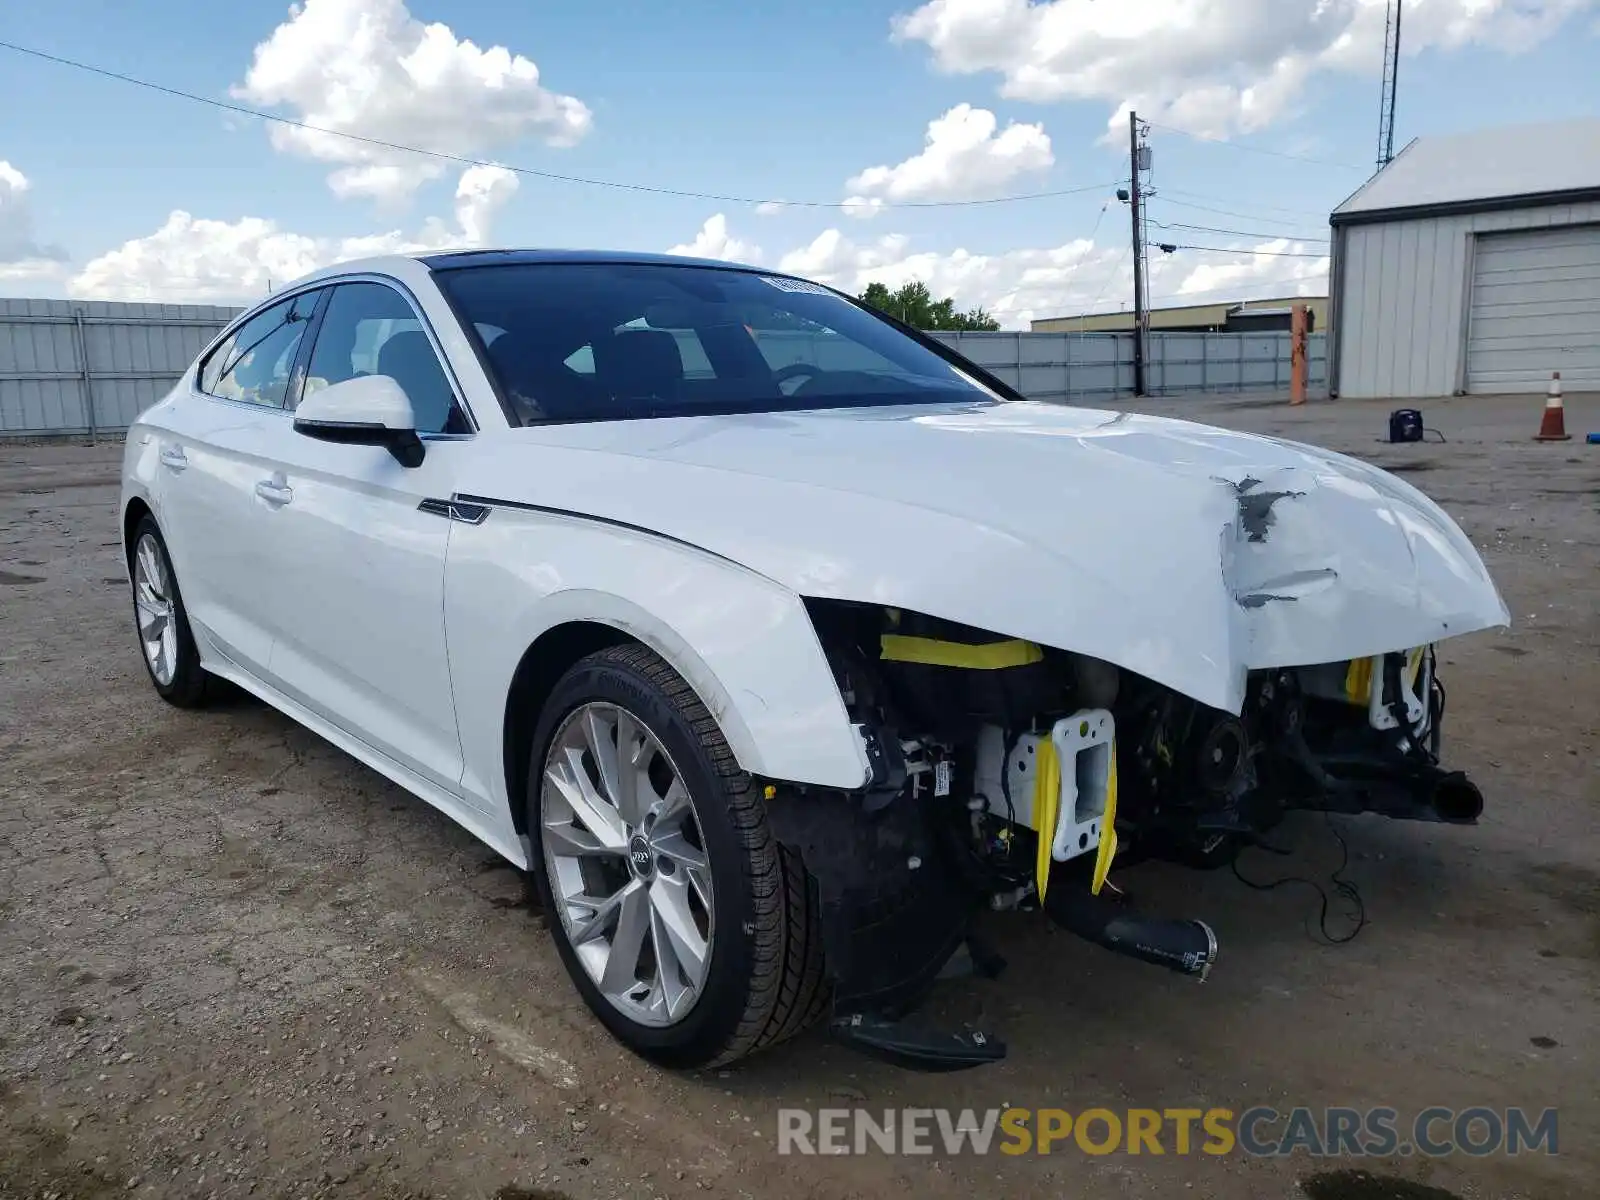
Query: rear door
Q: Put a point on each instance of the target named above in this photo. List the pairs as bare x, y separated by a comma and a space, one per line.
215, 453
358, 581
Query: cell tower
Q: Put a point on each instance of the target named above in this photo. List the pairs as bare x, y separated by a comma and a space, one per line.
1391, 83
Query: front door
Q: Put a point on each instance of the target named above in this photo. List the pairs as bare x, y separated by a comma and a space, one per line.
214, 455
360, 584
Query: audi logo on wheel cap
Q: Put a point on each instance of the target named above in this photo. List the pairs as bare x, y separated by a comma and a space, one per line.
639, 855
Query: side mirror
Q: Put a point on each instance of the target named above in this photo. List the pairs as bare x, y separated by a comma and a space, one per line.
370, 410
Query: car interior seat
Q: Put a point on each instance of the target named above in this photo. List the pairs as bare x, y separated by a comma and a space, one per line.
409, 360
639, 364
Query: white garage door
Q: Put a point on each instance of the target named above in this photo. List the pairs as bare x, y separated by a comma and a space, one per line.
1535, 309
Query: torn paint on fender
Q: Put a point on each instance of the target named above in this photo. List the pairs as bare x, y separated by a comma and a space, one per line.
1255, 507
1321, 561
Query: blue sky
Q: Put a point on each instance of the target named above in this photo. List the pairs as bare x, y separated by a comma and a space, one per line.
753, 100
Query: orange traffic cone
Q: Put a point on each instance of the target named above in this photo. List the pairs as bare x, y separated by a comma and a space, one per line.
1554, 426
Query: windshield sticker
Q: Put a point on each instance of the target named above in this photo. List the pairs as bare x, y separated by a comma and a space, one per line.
796, 285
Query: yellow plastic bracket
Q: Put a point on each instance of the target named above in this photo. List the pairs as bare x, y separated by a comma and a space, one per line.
931, 652
1358, 681
1047, 807
1358, 678
1046, 804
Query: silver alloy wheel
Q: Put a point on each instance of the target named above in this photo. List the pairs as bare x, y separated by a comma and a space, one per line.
157, 614
627, 863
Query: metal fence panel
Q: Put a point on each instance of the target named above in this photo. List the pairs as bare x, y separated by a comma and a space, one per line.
1095, 367
70, 367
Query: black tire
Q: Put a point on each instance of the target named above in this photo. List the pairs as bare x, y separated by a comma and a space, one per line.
191, 685
765, 979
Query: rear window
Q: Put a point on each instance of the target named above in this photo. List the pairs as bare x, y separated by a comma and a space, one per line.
621, 341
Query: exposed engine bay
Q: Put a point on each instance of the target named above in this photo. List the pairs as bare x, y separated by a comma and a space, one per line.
1009, 775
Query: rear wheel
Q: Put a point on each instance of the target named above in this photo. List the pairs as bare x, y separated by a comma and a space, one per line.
165, 639
688, 930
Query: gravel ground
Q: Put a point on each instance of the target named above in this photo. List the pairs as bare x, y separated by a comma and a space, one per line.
233, 962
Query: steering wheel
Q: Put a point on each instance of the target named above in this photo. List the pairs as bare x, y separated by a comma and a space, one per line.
799, 370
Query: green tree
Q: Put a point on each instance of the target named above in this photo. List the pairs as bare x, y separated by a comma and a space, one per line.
915, 305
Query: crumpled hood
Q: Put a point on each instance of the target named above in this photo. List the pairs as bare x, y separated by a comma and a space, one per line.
1187, 553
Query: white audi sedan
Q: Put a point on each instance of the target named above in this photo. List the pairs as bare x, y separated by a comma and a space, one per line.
774, 639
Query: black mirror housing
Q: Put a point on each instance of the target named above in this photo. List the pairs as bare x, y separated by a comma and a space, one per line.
404, 444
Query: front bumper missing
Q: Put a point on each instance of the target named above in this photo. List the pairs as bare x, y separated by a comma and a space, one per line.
1396, 689
1066, 783
1393, 770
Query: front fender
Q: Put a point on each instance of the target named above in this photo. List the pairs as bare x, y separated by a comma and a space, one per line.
139, 480
744, 643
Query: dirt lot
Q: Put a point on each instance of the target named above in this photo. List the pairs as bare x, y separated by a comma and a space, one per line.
234, 962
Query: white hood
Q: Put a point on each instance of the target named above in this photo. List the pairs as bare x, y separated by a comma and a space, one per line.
1186, 553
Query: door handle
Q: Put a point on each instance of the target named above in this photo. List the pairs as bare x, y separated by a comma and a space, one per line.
274, 492
173, 458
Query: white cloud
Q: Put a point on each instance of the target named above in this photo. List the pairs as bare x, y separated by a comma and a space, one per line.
714, 241
963, 158
480, 193
770, 208
198, 261
22, 257
1212, 66
368, 67
834, 258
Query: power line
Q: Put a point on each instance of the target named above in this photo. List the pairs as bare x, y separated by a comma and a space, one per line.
1248, 148
552, 176
1229, 212
1089, 312
1234, 232
1258, 253
1260, 205
1116, 270
1245, 146
1098, 219
1156, 273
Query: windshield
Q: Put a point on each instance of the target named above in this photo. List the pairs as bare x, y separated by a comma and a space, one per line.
620, 341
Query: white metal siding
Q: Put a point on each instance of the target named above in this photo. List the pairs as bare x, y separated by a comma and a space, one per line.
71, 367
1535, 309
1403, 311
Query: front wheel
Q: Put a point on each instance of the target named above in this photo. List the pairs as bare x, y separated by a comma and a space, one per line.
167, 642
688, 930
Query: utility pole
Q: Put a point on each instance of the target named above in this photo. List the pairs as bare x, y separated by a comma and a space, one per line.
1135, 204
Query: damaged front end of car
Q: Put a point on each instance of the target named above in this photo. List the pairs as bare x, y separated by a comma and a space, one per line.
1011, 775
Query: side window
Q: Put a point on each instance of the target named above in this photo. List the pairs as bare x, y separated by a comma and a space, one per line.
369, 329
255, 363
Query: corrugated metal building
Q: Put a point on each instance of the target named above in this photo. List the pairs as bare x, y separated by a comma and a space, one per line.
1471, 263
1227, 317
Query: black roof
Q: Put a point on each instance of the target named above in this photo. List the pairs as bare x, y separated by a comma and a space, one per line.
484, 258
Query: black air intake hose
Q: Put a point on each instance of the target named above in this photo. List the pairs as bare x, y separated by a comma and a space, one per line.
1188, 947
